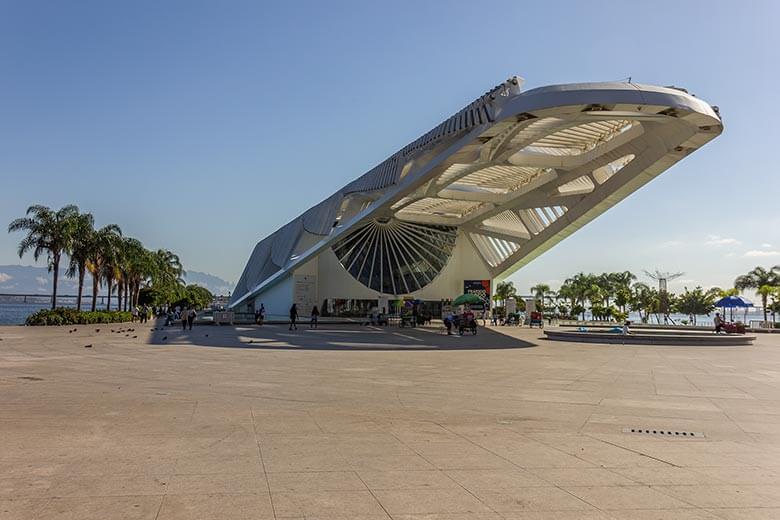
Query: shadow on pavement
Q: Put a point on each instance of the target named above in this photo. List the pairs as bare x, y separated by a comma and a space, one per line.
332, 337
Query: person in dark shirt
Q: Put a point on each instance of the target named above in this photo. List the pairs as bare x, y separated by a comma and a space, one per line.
293, 316
315, 316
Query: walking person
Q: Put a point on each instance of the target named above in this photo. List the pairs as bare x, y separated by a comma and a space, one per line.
719, 323
191, 315
315, 316
183, 317
293, 316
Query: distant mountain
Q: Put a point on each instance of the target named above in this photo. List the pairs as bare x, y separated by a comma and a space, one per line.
215, 284
25, 279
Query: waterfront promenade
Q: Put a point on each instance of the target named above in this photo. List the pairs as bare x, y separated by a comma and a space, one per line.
366, 423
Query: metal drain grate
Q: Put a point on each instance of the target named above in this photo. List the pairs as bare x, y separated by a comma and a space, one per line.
663, 433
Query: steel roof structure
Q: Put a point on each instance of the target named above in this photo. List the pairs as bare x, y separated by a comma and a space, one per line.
515, 172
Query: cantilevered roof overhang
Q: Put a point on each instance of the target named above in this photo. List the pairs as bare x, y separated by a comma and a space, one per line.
515, 171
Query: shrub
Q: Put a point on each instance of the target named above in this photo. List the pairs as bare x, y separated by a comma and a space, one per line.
62, 316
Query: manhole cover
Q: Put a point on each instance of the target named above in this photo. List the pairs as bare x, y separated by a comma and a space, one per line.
663, 433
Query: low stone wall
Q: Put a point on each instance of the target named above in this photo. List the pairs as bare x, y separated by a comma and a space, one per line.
657, 337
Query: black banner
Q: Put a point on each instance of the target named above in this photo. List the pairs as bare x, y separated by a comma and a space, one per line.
482, 289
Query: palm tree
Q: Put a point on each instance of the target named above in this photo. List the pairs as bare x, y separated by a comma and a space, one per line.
722, 293
83, 227
757, 278
140, 268
605, 286
642, 298
539, 291
168, 269
99, 256
581, 289
48, 231
568, 293
112, 259
621, 287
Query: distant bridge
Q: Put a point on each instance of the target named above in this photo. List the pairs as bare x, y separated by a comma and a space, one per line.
62, 299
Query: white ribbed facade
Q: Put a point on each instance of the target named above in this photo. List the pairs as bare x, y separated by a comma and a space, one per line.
482, 194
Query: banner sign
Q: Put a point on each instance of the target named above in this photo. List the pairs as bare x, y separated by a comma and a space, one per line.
481, 288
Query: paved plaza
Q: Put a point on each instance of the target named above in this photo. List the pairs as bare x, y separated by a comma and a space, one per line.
365, 423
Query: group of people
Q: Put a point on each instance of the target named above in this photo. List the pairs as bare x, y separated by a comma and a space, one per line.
185, 315
293, 314
142, 313
460, 322
314, 317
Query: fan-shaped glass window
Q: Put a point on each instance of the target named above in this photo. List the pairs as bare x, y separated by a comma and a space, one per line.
392, 256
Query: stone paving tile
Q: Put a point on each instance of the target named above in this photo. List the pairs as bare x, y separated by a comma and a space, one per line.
107, 485
21, 508
292, 462
752, 475
626, 497
389, 463
427, 501
495, 478
208, 464
327, 504
581, 477
451, 516
217, 484
662, 514
556, 515
216, 507
427, 431
376, 480
101, 508
762, 513
722, 496
25, 487
531, 499
315, 481
666, 476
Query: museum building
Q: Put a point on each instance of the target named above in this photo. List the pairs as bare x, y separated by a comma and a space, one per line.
477, 197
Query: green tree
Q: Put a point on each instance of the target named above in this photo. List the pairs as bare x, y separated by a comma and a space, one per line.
112, 258
579, 289
695, 302
642, 300
540, 293
49, 232
757, 278
136, 268
100, 256
774, 305
722, 293
621, 288
568, 293
505, 290
167, 271
81, 240
196, 296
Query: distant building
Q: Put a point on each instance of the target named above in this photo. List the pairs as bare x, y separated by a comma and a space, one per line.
477, 197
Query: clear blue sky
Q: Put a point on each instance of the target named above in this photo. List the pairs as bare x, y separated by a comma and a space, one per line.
203, 126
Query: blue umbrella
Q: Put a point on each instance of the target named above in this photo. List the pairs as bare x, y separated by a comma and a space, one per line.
731, 302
